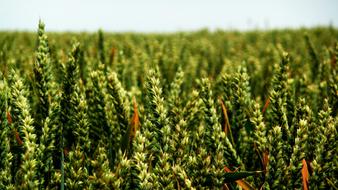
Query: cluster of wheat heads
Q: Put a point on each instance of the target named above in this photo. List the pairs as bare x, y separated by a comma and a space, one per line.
176, 111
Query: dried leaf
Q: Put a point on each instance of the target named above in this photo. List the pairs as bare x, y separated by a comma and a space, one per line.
9, 118
131, 130
112, 54
66, 151
135, 121
265, 160
17, 137
266, 105
305, 175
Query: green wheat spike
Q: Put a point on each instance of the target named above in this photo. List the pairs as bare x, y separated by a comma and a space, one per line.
27, 175
42, 77
5, 152
117, 97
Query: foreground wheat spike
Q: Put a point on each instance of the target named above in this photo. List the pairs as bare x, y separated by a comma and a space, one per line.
174, 97
5, 155
102, 177
278, 96
156, 110
67, 106
276, 167
76, 162
260, 133
217, 144
241, 102
76, 174
326, 151
117, 96
298, 154
42, 77
27, 176
141, 177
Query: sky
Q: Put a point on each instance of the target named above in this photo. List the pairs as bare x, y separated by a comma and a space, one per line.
165, 15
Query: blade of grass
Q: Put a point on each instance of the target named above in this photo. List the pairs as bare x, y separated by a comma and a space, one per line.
225, 187
227, 127
242, 183
331, 183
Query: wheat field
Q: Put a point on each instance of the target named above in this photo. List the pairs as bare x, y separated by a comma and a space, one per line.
185, 110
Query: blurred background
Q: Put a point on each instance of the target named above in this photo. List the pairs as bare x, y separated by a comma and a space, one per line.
165, 15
